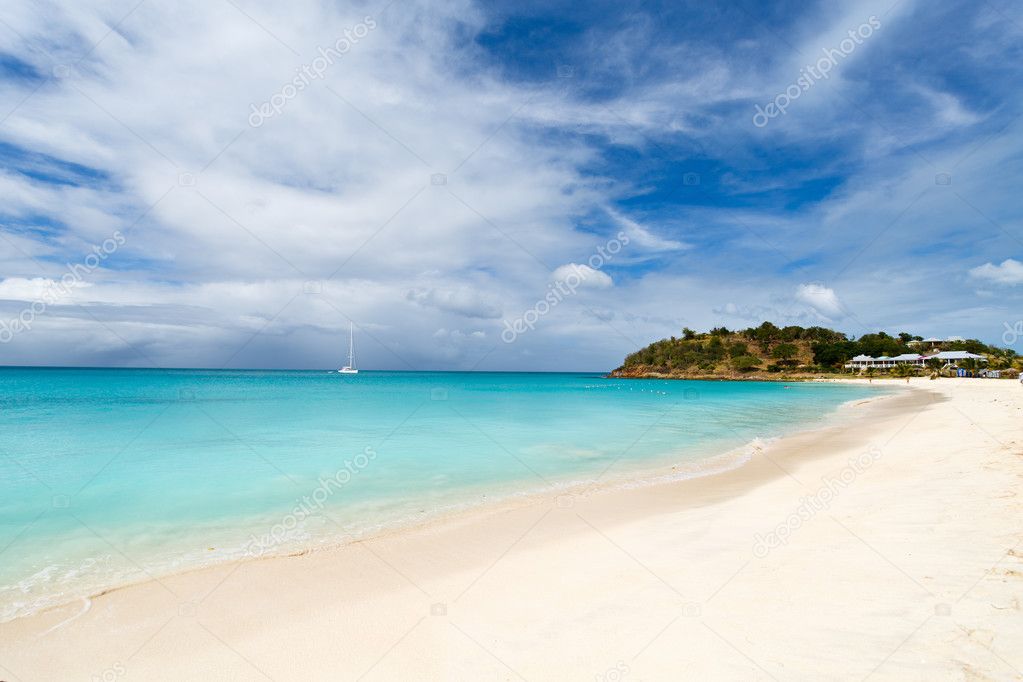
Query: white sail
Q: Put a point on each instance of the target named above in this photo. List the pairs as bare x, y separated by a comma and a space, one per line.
350, 367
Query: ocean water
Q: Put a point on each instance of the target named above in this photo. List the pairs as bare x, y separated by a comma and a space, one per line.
113, 476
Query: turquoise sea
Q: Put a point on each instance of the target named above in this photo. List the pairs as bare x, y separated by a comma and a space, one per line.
108, 476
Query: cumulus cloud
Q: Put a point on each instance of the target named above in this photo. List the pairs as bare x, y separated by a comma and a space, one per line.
1010, 272
583, 274
822, 299
225, 222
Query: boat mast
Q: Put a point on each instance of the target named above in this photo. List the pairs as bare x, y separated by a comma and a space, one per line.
351, 344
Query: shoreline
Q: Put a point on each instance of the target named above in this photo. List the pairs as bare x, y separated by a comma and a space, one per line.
499, 570
633, 479
667, 470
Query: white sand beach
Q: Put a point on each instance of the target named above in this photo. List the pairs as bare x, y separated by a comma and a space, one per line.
906, 564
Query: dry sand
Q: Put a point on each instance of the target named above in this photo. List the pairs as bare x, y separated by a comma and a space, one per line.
905, 565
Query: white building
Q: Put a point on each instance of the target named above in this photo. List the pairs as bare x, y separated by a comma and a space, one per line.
909, 359
860, 362
949, 358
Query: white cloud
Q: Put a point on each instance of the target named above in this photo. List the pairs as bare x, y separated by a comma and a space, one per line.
754, 313
459, 335
38, 289
1010, 272
460, 301
642, 237
342, 178
948, 109
584, 274
820, 298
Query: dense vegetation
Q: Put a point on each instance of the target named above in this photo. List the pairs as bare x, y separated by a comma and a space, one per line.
792, 349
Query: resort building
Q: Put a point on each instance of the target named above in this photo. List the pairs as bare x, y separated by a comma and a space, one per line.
949, 358
909, 359
952, 356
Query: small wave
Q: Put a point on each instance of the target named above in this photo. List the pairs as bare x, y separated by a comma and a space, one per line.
708, 466
86, 605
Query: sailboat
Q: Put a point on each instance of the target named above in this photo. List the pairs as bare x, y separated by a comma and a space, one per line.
350, 367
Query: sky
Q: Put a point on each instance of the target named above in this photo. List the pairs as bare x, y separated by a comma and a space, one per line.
500, 186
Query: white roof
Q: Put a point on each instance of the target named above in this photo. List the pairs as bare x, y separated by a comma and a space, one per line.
884, 357
957, 355
932, 340
907, 356
862, 358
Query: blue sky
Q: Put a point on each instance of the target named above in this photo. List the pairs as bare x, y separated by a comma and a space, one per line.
452, 162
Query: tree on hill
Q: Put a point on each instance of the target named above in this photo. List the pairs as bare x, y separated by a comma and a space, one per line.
970, 346
834, 354
880, 344
738, 349
785, 352
765, 334
824, 335
745, 363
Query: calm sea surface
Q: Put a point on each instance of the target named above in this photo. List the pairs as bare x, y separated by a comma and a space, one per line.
111, 476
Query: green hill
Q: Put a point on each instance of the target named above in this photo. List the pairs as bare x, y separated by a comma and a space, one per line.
772, 352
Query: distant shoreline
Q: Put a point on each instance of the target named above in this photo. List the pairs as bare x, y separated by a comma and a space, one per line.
783, 378
759, 376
